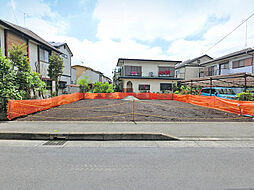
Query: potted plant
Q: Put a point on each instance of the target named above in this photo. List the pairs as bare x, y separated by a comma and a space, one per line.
164, 73
133, 73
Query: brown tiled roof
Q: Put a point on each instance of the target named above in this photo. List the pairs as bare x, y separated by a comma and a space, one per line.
91, 70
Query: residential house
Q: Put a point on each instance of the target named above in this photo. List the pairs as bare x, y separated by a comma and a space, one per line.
65, 79
90, 74
73, 76
190, 69
38, 50
142, 75
236, 62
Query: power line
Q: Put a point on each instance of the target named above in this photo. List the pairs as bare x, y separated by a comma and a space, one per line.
229, 33
13, 11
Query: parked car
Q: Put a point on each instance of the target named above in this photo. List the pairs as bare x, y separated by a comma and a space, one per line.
221, 92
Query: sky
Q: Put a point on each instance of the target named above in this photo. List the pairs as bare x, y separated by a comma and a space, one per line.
99, 32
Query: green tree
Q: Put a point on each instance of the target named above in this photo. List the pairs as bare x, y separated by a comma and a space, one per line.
55, 69
99, 87
9, 89
84, 84
26, 79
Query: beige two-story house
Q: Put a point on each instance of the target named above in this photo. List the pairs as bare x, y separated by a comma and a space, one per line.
84, 72
143, 75
190, 69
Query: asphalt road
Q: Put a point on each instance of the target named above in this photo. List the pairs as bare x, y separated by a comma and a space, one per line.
32, 165
178, 129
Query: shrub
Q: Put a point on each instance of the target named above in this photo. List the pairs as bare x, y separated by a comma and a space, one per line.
100, 87
245, 96
84, 84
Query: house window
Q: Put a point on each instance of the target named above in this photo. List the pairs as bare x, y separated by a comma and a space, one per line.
166, 71
48, 84
225, 66
64, 56
212, 71
62, 84
165, 86
198, 61
242, 63
44, 55
133, 70
144, 87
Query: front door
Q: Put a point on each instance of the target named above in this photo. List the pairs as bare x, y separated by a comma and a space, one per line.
129, 86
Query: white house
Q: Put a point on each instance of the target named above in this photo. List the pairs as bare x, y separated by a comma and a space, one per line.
66, 55
142, 75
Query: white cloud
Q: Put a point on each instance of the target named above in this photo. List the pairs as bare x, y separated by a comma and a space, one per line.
145, 20
102, 55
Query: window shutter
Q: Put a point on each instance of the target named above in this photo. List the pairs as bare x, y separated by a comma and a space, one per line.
248, 62
235, 64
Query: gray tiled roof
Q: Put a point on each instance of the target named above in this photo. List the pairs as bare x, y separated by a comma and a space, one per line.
236, 53
28, 33
59, 44
189, 61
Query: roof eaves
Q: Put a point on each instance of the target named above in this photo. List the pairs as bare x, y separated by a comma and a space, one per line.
59, 44
26, 33
237, 53
148, 60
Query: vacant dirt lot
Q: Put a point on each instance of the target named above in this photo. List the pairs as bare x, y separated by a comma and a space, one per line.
120, 110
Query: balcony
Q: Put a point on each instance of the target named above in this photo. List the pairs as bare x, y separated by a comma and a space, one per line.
136, 72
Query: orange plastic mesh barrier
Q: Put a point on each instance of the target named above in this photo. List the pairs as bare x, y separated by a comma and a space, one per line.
17, 108
232, 106
120, 95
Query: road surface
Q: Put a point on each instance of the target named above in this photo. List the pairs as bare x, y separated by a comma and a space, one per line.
75, 165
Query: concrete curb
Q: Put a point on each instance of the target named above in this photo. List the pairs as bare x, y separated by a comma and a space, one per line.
86, 136
216, 139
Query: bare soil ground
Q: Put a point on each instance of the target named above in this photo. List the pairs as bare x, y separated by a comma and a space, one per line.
120, 110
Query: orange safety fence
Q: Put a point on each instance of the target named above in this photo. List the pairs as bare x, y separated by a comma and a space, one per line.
232, 106
120, 95
17, 108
